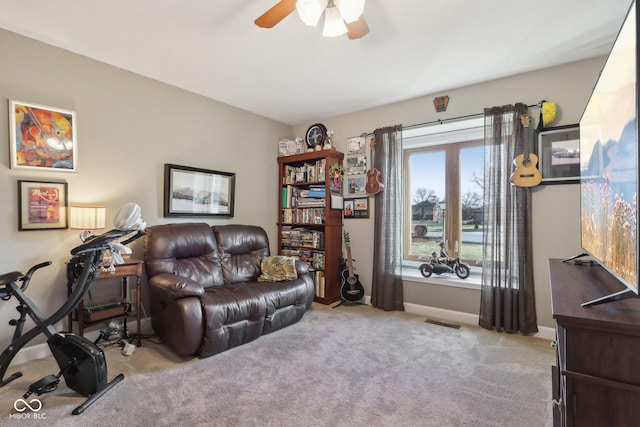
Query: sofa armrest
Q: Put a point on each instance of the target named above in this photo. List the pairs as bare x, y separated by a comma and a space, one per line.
302, 267
176, 286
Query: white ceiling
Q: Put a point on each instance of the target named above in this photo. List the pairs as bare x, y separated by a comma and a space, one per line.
292, 74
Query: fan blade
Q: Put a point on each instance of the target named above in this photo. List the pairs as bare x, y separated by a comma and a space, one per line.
357, 28
277, 13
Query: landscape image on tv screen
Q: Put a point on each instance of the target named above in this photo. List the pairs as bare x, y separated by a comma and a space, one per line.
609, 162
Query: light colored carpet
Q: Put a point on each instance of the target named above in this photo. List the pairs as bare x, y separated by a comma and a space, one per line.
350, 366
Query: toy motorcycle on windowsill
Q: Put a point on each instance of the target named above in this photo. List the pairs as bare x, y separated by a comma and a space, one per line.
445, 265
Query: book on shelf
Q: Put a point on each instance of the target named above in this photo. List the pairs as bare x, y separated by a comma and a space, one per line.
307, 172
316, 191
313, 239
321, 165
317, 260
303, 216
293, 197
306, 255
318, 279
309, 202
288, 196
300, 236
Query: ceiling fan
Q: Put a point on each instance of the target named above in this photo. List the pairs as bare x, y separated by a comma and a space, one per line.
340, 16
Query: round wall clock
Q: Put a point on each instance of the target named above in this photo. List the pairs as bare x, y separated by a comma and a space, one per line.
316, 135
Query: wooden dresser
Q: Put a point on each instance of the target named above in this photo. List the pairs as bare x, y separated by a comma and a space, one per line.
597, 379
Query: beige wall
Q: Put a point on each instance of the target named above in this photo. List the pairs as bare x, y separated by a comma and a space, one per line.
555, 207
129, 126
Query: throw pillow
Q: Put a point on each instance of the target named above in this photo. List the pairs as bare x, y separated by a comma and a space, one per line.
277, 269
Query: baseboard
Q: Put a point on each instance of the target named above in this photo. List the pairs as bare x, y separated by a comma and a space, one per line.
39, 351
544, 332
441, 314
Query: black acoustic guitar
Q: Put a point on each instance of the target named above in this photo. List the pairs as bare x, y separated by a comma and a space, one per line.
351, 290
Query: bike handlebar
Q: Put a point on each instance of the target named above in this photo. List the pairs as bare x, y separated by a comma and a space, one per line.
37, 267
102, 241
16, 276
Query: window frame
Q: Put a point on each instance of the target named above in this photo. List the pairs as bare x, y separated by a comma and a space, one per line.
451, 138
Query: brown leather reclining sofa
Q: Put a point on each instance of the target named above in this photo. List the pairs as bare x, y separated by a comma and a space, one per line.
203, 288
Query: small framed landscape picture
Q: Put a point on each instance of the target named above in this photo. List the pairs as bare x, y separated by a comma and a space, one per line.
42, 138
559, 154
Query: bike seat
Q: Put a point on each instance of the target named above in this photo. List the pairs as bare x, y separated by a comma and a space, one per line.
7, 278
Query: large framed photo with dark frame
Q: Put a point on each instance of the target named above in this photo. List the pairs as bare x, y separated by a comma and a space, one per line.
195, 192
42, 205
559, 154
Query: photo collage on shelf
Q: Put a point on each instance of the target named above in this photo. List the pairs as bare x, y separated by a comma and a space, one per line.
356, 162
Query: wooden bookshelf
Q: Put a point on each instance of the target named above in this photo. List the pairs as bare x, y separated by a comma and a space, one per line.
308, 227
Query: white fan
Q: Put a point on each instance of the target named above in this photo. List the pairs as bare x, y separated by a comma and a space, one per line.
127, 218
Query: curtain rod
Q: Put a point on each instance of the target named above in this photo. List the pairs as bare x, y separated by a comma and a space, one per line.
441, 121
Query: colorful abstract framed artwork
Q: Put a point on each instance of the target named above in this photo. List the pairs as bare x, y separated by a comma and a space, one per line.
42, 138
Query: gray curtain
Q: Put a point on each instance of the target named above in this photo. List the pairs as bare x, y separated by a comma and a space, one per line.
386, 289
507, 301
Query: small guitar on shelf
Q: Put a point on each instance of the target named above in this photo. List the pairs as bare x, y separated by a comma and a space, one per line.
374, 186
526, 173
351, 290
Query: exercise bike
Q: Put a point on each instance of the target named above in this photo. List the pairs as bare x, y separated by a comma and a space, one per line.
82, 363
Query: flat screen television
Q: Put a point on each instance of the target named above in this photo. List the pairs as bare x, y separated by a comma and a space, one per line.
609, 165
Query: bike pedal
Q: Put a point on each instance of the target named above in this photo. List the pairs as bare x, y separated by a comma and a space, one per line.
44, 385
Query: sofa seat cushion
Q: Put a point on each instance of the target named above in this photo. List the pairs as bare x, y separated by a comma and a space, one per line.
233, 315
286, 303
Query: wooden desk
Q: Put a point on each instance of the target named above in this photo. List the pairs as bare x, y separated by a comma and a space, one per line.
130, 268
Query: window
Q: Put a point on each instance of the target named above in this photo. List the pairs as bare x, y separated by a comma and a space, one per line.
444, 169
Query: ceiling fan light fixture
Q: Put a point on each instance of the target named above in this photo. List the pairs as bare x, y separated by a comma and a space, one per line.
333, 23
311, 10
351, 10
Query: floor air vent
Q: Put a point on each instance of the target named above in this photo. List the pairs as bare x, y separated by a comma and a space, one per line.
440, 323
